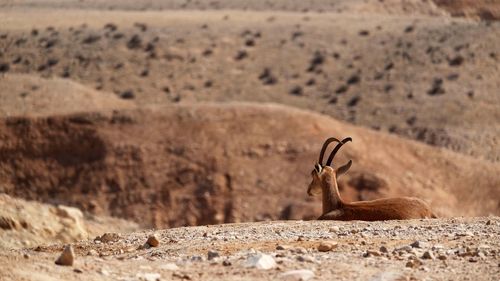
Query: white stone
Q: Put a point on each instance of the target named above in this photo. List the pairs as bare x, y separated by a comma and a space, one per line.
387, 276
297, 275
260, 261
149, 276
169, 266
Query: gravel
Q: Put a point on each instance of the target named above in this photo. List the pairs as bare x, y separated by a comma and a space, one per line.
272, 251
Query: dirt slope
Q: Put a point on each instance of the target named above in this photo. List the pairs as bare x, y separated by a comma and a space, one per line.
457, 249
28, 224
214, 163
428, 78
28, 95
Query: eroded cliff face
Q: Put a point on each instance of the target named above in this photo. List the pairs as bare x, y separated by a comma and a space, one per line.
217, 163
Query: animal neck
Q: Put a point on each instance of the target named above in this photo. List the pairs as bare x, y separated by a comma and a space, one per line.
331, 195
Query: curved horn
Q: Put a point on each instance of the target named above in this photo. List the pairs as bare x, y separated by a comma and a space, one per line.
323, 149
339, 145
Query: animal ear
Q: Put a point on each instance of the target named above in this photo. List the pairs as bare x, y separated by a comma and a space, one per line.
343, 169
318, 168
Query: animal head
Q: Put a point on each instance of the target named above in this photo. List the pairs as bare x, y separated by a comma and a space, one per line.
321, 172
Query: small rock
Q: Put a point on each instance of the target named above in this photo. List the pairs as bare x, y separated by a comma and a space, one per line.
127, 94
327, 246
419, 244
149, 276
92, 252
383, 249
282, 247
77, 270
404, 249
212, 254
169, 266
414, 263
103, 271
196, 258
109, 237
442, 257
260, 261
296, 91
226, 263
297, 275
428, 255
305, 259
67, 256
472, 259
370, 253
334, 229
26, 256
153, 241
299, 250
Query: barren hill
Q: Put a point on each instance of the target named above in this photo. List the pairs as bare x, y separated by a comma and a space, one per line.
29, 95
215, 163
427, 77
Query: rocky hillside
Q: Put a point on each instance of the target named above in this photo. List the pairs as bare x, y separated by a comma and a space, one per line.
394, 66
215, 163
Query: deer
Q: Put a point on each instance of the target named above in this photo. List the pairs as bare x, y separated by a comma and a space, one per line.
324, 180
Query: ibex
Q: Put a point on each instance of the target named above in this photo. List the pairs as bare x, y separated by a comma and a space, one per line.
324, 179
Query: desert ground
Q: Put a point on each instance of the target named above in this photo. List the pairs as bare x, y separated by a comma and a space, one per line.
200, 121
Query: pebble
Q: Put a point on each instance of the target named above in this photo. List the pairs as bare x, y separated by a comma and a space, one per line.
109, 237
169, 266
149, 276
299, 250
334, 229
67, 256
428, 255
370, 253
282, 247
383, 249
260, 261
153, 241
196, 258
212, 254
226, 263
26, 256
414, 263
404, 249
305, 259
442, 257
419, 244
327, 246
103, 271
297, 275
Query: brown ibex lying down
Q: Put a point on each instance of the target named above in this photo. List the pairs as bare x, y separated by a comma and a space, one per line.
334, 208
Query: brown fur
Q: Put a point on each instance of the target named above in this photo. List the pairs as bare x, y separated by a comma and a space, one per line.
334, 208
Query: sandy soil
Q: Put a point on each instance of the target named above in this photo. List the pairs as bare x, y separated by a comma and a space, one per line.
456, 249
